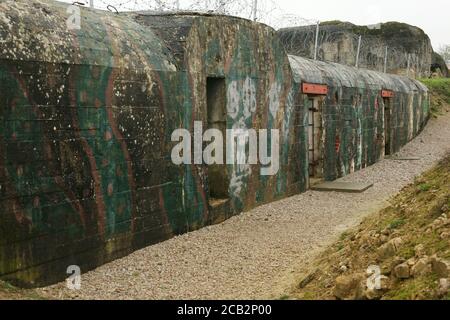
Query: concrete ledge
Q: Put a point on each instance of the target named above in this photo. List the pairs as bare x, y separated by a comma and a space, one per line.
350, 187
403, 158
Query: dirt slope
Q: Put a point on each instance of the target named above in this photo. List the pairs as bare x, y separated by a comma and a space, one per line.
409, 241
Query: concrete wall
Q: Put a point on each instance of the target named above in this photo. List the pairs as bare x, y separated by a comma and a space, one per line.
86, 123
338, 42
81, 136
353, 113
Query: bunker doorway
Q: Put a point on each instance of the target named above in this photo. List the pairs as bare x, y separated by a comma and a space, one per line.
387, 126
218, 178
315, 131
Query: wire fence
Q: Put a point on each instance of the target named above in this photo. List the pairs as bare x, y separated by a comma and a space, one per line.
264, 11
349, 48
305, 40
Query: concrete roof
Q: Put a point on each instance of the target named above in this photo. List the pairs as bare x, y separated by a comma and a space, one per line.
334, 74
38, 31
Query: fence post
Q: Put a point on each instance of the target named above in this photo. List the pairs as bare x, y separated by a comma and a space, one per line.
358, 52
316, 44
255, 10
91, 3
409, 65
222, 7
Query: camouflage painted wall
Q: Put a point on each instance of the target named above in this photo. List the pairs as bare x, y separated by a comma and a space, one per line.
259, 95
86, 121
353, 113
87, 117
79, 109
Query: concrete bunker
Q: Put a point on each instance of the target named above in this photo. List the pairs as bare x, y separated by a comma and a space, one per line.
85, 169
354, 129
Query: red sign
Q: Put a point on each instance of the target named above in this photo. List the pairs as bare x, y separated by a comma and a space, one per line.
310, 88
387, 93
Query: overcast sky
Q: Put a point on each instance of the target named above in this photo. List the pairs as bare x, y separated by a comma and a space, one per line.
433, 16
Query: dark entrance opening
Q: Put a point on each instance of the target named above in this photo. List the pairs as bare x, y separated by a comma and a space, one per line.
314, 135
217, 119
387, 126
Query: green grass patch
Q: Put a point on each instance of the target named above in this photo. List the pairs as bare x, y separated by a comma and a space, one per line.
397, 223
344, 236
439, 94
424, 187
414, 289
440, 86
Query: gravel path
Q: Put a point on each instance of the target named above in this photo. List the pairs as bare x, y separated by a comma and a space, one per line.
257, 254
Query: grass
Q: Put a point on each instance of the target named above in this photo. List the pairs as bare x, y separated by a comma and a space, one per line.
440, 86
424, 187
344, 236
439, 92
415, 289
397, 223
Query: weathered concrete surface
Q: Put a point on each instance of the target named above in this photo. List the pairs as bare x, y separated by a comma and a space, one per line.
397, 158
338, 42
339, 186
87, 117
81, 134
353, 114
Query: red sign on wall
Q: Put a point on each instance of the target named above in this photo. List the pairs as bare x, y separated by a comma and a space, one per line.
387, 93
311, 88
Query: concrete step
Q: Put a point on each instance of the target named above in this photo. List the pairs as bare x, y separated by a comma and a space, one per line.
335, 186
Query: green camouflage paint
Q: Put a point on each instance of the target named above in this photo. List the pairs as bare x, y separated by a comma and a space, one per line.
87, 117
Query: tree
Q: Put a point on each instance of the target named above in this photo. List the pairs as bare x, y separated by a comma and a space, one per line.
444, 51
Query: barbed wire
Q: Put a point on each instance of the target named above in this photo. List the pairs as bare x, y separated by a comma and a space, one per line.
268, 11
300, 41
